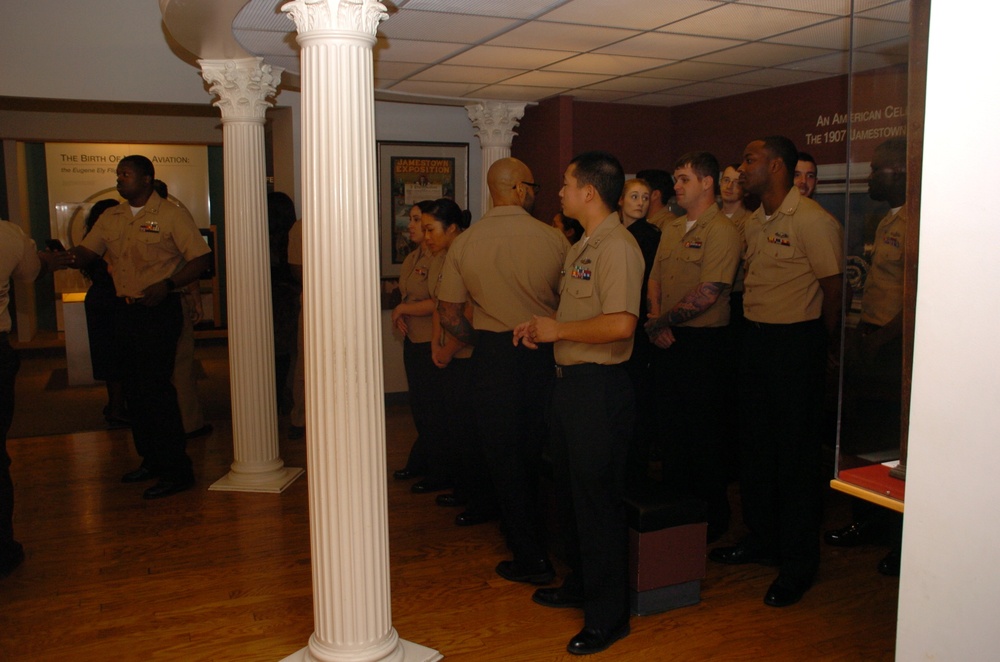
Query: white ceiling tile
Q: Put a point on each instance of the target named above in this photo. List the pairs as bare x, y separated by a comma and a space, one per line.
773, 77
397, 70
264, 42
405, 50
665, 99
555, 79
561, 36
716, 88
602, 96
864, 61
835, 34
435, 88
761, 54
896, 11
638, 85
868, 31
693, 70
447, 73
502, 56
668, 46
745, 22
594, 63
832, 63
637, 14
507, 9
832, 7
518, 92
432, 26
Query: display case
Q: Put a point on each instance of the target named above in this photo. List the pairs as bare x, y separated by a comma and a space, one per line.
883, 140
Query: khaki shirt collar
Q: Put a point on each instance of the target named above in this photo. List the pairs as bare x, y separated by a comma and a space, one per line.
700, 223
606, 227
788, 206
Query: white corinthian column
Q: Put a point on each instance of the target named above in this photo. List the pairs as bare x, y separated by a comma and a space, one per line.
494, 122
243, 87
345, 409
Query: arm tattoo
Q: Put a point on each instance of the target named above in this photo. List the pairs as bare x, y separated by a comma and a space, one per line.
454, 322
694, 303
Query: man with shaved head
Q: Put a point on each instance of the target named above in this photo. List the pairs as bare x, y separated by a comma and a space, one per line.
507, 266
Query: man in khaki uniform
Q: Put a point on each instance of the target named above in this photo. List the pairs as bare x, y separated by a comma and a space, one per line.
156, 250
792, 302
593, 406
507, 264
688, 294
805, 175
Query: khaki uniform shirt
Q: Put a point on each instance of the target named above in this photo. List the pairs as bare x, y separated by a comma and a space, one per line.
602, 275
661, 218
786, 257
414, 286
508, 265
883, 297
434, 279
739, 219
18, 260
707, 253
146, 248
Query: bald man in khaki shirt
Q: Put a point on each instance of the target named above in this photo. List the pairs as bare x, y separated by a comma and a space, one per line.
507, 265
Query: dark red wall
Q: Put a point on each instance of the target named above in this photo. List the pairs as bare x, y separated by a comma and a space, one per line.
812, 114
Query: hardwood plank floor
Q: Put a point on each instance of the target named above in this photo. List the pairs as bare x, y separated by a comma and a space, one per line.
226, 576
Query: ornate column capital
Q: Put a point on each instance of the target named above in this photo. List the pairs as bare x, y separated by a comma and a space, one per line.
243, 86
495, 121
356, 15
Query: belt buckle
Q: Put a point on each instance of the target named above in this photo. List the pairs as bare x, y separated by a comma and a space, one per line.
559, 372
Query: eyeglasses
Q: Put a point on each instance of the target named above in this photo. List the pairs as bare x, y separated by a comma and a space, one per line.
534, 187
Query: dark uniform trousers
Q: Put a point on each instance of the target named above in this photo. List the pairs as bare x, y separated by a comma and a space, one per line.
781, 393
593, 416
9, 363
420, 371
511, 387
465, 455
147, 339
693, 377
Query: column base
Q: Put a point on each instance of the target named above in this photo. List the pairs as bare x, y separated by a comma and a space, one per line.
273, 482
411, 653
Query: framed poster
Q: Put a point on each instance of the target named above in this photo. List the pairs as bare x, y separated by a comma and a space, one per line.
408, 173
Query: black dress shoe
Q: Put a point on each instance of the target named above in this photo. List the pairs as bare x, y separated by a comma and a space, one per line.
538, 572
166, 488
889, 566
450, 500
740, 554
428, 485
204, 430
406, 473
560, 598
852, 535
474, 517
785, 592
594, 640
139, 475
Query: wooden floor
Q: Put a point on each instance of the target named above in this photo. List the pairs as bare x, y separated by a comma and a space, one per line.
226, 576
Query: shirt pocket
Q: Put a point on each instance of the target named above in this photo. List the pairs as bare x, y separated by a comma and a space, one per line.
579, 288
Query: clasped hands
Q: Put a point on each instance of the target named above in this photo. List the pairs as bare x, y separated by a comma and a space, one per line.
659, 333
537, 330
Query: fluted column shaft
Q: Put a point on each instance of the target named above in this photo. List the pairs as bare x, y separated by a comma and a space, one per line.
494, 122
343, 341
243, 87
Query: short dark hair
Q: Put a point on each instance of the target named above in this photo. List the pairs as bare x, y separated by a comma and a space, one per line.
140, 164
703, 164
807, 157
658, 180
602, 171
784, 149
95, 212
448, 212
894, 151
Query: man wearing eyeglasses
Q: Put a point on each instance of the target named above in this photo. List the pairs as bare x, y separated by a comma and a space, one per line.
507, 265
